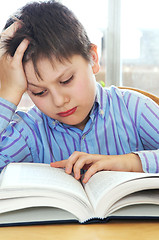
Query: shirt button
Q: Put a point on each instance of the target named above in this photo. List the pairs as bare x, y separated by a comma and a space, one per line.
83, 137
54, 122
101, 112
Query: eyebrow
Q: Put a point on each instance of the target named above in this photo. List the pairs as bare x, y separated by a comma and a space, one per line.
29, 83
61, 75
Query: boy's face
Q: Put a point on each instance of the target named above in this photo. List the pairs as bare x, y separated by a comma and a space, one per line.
66, 91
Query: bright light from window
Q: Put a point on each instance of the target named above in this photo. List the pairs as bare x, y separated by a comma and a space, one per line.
8, 7
137, 15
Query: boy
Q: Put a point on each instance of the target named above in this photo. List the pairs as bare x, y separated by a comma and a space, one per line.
46, 52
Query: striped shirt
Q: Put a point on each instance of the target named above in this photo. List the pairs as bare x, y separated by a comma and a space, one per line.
121, 121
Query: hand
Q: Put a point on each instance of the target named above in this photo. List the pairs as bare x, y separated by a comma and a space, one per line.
96, 162
12, 76
7, 33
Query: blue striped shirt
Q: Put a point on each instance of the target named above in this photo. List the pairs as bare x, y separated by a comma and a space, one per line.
121, 121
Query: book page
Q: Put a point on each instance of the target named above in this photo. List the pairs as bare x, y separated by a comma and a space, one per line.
25, 185
35, 215
143, 197
35, 175
103, 183
137, 212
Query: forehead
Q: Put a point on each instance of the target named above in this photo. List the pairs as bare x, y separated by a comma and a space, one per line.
47, 70
45, 66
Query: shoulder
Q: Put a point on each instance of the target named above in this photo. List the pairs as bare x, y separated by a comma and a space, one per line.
128, 100
129, 97
36, 113
120, 99
31, 117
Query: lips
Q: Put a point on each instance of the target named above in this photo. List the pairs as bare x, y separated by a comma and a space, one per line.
67, 113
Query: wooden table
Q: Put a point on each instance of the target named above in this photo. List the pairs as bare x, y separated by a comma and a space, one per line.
121, 230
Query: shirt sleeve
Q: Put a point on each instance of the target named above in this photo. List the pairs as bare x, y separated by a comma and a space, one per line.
13, 141
149, 134
7, 110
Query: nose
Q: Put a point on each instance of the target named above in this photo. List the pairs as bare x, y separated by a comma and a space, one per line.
59, 97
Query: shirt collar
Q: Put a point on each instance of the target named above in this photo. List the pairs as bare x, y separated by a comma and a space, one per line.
101, 99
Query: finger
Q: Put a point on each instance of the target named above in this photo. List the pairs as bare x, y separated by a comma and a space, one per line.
96, 167
9, 32
84, 160
59, 164
19, 53
90, 172
72, 160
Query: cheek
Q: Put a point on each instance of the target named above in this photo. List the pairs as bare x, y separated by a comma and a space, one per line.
87, 88
86, 83
44, 106
85, 95
41, 103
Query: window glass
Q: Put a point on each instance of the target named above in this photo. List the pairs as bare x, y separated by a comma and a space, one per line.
140, 44
8, 7
93, 16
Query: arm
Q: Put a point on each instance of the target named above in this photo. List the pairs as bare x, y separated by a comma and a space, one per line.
149, 134
13, 146
16, 137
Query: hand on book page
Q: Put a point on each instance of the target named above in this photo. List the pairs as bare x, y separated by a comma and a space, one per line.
30, 187
96, 162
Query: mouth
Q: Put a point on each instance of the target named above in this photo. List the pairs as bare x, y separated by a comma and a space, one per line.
67, 113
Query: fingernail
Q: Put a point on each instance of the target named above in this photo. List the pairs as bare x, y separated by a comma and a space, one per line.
77, 176
85, 180
68, 170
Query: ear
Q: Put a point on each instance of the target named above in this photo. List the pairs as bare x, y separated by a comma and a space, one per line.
94, 58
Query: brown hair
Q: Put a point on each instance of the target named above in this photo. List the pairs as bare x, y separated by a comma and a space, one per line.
53, 32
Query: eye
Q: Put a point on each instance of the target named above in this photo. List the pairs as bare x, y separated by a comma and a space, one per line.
68, 80
39, 93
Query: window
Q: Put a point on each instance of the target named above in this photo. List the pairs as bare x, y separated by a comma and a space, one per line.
140, 44
128, 40
93, 16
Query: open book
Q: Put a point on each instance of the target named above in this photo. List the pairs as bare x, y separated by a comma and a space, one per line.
36, 193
